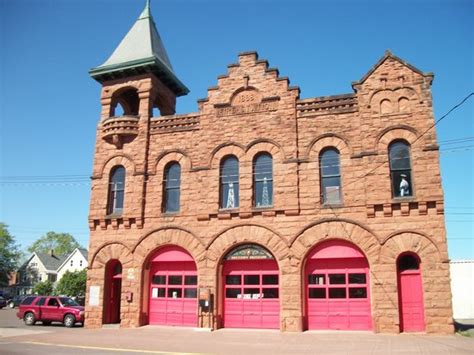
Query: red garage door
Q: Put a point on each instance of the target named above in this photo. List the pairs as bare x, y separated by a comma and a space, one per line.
173, 288
251, 294
337, 288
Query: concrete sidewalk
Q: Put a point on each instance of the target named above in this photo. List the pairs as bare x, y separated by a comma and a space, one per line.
162, 340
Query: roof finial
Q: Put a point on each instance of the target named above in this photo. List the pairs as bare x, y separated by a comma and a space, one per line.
146, 11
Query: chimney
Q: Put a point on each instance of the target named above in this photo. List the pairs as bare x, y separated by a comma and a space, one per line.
51, 252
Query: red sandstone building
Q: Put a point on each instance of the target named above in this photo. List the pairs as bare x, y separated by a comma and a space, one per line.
261, 209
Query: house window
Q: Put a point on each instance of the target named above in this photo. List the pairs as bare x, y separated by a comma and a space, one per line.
229, 182
171, 185
330, 171
400, 169
72, 262
263, 180
116, 190
80, 263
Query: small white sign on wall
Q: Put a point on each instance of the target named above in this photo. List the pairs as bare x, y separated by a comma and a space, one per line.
94, 292
154, 292
131, 274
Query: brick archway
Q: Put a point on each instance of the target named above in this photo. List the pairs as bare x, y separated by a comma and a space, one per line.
148, 245
96, 276
343, 229
228, 239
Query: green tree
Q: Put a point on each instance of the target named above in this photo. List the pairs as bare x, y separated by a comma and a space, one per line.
9, 255
43, 288
60, 243
72, 284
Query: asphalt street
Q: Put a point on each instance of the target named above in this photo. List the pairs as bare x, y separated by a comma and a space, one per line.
16, 338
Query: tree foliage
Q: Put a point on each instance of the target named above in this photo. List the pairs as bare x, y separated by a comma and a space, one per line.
72, 284
60, 243
9, 254
43, 288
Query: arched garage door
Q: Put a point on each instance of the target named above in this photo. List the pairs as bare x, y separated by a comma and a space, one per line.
337, 288
251, 289
173, 288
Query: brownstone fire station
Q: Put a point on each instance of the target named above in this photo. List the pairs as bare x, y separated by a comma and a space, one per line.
262, 209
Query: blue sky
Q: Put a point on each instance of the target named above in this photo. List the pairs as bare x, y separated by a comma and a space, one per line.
49, 106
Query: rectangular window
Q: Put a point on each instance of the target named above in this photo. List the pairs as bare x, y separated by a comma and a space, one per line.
270, 292
337, 293
357, 292
337, 279
317, 293
317, 279
270, 279
28, 300
175, 280
331, 190
175, 293
172, 200
190, 293
190, 280
251, 279
357, 279
232, 293
158, 280
41, 301
233, 280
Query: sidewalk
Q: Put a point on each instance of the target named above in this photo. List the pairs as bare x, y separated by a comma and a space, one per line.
153, 339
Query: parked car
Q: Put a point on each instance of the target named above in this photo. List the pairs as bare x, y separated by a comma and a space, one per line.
15, 301
48, 309
3, 302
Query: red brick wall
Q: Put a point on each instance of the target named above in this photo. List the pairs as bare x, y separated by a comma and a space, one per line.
252, 110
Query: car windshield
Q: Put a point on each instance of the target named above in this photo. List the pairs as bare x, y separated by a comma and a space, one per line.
66, 301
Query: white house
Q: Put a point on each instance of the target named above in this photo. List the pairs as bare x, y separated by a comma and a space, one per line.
75, 261
47, 266
462, 286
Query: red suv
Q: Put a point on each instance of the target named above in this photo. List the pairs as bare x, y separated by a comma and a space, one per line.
49, 309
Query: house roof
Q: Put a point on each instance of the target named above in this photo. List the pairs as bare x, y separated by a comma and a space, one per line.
51, 262
140, 51
82, 251
389, 54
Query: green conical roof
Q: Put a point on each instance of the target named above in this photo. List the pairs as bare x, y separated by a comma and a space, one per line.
140, 51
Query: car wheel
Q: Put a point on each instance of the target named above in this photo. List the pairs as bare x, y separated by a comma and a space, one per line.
46, 322
29, 318
69, 320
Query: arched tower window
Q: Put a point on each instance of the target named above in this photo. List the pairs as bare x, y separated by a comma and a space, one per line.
400, 169
263, 180
125, 103
171, 187
116, 190
330, 172
229, 182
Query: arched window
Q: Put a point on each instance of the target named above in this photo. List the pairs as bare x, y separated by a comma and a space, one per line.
329, 167
400, 169
408, 262
229, 181
116, 190
385, 107
263, 180
171, 187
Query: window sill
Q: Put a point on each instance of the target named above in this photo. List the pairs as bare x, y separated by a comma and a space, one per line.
332, 205
114, 215
261, 208
403, 199
228, 210
170, 214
